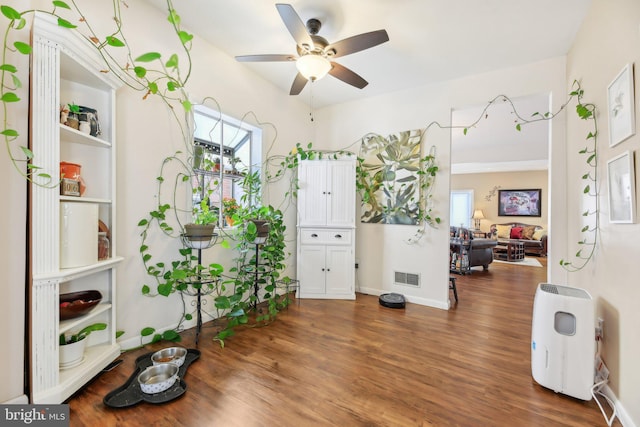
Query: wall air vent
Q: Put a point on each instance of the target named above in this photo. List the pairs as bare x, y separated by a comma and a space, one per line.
407, 279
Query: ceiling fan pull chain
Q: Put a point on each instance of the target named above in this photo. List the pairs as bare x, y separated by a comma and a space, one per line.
311, 102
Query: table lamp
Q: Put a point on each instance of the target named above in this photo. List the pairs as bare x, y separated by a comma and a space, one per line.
477, 216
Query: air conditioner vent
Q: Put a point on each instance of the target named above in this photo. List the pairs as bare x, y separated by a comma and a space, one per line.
407, 279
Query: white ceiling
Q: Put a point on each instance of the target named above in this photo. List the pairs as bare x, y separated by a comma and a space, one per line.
430, 41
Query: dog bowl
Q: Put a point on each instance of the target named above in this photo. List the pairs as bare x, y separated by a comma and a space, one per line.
175, 355
158, 378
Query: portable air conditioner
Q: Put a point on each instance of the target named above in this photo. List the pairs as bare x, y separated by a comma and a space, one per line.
563, 340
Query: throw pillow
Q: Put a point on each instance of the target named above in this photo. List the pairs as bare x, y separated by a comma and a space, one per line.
516, 233
527, 232
504, 231
539, 234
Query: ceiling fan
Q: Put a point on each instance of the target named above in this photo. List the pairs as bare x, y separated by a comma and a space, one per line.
315, 53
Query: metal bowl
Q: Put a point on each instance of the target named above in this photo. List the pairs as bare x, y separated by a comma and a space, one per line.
175, 355
158, 378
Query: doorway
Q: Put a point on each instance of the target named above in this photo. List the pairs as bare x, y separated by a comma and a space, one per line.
492, 155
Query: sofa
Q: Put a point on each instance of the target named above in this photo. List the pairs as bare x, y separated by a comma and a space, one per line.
534, 237
479, 251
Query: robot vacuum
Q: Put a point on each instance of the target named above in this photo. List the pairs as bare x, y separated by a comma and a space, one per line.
392, 300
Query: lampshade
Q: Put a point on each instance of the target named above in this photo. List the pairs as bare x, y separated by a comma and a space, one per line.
478, 214
313, 66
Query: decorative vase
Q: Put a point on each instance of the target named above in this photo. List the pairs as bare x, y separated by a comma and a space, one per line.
72, 354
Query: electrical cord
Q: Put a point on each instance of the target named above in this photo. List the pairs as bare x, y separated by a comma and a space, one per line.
595, 390
597, 387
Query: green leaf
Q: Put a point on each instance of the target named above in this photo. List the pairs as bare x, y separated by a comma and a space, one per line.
9, 97
518, 127
464, 131
145, 332
119, 334
148, 57
153, 87
16, 81
61, 4
143, 222
27, 153
173, 17
173, 61
140, 71
586, 189
65, 24
187, 105
9, 132
171, 335
8, 67
21, 24
114, 41
188, 316
23, 48
10, 12
185, 37
145, 290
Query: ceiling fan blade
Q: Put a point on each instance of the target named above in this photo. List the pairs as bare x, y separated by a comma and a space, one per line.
265, 58
298, 84
357, 43
347, 76
295, 25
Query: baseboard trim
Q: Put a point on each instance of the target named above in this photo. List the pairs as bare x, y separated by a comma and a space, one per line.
416, 300
622, 415
134, 342
20, 400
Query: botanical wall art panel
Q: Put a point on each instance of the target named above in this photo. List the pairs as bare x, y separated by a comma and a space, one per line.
392, 195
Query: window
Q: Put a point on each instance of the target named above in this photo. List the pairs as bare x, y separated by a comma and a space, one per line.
461, 208
224, 150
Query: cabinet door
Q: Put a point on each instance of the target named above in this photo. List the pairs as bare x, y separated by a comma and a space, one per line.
311, 269
312, 195
341, 181
340, 270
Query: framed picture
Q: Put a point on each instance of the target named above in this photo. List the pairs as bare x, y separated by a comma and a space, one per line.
621, 184
621, 106
519, 202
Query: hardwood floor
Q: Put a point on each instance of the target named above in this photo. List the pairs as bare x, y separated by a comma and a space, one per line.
355, 363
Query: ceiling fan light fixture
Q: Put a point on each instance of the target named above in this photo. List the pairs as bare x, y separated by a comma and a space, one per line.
313, 66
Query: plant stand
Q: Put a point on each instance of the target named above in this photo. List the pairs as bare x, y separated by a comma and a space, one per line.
199, 293
257, 270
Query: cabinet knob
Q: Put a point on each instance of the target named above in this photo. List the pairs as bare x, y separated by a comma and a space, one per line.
338, 236
328, 269
328, 192
323, 269
314, 235
324, 192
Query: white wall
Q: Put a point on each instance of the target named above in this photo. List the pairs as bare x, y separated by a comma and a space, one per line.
13, 220
609, 39
147, 133
381, 249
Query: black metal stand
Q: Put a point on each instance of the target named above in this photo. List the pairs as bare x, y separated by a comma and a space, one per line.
199, 293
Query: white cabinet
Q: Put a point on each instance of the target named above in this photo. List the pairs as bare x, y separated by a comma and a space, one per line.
326, 229
66, 69
326, 196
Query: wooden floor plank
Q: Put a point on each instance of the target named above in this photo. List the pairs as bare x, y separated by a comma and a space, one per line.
356, 363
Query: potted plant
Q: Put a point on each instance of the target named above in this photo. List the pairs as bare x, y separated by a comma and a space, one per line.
72, 346
73, 116
230, 208
200, 231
